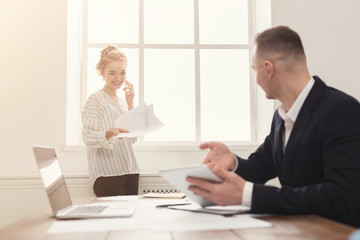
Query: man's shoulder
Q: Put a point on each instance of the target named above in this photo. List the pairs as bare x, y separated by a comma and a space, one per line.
330, 95
335, 96
337, 107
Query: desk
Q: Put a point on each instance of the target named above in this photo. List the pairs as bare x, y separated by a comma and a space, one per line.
302, 227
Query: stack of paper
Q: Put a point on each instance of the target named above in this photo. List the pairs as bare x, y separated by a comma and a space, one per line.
138, 121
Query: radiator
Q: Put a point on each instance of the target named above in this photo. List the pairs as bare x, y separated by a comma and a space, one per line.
155, 184
143, 189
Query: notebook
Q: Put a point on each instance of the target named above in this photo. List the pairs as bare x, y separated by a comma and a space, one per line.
58, 193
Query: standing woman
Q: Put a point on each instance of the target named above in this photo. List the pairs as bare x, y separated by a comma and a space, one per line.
113, 168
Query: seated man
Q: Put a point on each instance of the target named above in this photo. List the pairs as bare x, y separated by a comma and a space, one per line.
313, 146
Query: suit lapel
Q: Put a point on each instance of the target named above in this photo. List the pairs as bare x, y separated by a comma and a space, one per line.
303, 119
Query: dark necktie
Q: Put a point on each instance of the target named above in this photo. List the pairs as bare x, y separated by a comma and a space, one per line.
279, 145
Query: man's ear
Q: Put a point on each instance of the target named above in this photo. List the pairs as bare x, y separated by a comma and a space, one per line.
270, 68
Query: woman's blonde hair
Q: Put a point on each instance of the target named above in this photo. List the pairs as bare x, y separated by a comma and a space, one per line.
110, 53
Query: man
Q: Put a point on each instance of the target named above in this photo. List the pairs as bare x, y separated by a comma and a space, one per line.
313, 147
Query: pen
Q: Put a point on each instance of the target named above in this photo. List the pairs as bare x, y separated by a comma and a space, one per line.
170, 205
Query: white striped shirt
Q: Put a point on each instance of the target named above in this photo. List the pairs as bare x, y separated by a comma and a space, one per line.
106, 157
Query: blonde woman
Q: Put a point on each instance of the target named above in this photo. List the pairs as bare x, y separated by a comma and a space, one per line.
113, 168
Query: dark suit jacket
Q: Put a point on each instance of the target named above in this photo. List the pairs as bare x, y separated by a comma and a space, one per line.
320, 169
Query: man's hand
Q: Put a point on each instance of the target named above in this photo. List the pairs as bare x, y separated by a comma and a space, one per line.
229, 192
219, 155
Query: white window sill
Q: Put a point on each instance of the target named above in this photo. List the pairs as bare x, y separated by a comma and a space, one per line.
167, 148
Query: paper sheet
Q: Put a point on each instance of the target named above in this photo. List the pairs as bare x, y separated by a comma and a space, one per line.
148, 217
138, 121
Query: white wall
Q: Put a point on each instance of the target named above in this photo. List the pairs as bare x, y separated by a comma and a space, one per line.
33, 80
331, 37
32, 99
33, 87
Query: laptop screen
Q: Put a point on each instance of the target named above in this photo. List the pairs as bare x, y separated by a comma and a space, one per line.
52, 177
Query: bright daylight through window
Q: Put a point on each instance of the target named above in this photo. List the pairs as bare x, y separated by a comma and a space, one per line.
189, 58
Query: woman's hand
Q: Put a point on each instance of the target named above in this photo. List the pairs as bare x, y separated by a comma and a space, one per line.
129, 94
114, 132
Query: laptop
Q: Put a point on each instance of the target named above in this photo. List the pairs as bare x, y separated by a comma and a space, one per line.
58, 193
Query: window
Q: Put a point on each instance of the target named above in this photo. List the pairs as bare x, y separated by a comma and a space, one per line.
189, 58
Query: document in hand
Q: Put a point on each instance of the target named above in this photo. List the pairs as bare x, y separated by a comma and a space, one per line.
177, 177
138, 121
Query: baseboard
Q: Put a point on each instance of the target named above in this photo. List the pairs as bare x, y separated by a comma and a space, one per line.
147, 183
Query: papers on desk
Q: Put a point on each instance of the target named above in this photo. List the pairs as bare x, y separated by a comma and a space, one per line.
126, 198
148, 217
138, 121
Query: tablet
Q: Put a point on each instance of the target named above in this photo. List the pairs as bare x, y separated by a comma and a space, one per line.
177, 177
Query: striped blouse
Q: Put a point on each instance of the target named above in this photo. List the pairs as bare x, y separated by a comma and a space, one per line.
106, 157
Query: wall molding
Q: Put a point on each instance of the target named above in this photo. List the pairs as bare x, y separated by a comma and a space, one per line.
236, 146
147, 183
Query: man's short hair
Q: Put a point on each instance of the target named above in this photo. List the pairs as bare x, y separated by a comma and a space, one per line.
281, 41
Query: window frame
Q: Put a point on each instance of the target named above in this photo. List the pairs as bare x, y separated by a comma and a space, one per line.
255, 97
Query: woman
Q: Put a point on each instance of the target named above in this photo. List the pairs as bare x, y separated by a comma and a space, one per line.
113, 168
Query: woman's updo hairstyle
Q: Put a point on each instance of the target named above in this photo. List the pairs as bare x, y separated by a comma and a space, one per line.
108, 54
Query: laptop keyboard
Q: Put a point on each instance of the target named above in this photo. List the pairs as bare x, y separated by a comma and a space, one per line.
87, 209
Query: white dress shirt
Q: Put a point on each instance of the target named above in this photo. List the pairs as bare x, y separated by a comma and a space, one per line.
289, 121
